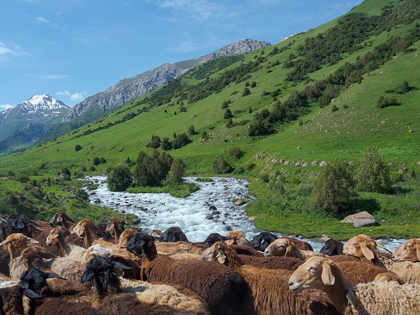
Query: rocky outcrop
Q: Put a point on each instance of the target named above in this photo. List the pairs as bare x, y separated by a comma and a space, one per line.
363, 218
132, 88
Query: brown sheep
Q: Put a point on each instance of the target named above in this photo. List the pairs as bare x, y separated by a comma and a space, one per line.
283, 247
11, 298
238, 238
409, 251
156, 233
286, 263
88, 231
268, 289
4, 261
222, 288
16, 243
115, 227
66, 245
125, 236
62, 219
31, 257
179, 247
246, 250
382, 298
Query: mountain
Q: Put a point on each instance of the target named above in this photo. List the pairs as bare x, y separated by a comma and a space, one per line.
129, 89
28, 121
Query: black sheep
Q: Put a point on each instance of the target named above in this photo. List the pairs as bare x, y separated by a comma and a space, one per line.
262, 240
36, 280
173, 234
215, 237
332, 247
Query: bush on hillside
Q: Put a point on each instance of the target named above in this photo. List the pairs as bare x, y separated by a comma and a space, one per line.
22, 178
191, 130
333, 189
385, 101
78, 147
236, 153
227, 114
221, 166
96, 161
177, 171
373, 173
152, 170
120, 178
246, 92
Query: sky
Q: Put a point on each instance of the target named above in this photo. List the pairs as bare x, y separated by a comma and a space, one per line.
72, 49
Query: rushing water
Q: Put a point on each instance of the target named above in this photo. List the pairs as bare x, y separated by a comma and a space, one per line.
193, 214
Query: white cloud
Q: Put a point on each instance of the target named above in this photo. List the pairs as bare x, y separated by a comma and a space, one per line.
9, 50
78, 97
65, 92
185, 47
5, 106
42, 20
53, 76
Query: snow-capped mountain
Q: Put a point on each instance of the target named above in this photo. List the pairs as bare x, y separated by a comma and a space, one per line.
36, 109
25, 123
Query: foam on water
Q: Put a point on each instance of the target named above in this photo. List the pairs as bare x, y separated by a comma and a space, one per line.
191, 214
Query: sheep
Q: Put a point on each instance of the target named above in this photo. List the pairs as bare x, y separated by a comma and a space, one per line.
4, 262
262, 240
409, 251
177, 248
215, 237
20, 224
62, 219
332, 247
88, 231
115, 227
31, 257
370, 298
60, 241
237, 238
125, 236
286, 263
282, 247
113, 252
17, 242
173, 234
264, 296
11, 298
365, 248
222, 288
246, 250
101, 272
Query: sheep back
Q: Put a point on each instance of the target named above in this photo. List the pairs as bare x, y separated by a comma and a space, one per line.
221, 287
360, 272
275, 262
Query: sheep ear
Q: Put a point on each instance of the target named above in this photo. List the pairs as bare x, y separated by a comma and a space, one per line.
221, 258
120, 265
367, 252
32, 240
293, 251
31, 294
5, 242
53, 275
418, 250
327, 277
87, 276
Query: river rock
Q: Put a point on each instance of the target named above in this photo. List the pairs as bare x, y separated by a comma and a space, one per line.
239, 202
363, 218
136, 221
323, 163
252, 219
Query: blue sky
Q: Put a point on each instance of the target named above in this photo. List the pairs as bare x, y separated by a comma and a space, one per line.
71, 49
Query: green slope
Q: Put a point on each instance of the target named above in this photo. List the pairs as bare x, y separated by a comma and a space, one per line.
324, 134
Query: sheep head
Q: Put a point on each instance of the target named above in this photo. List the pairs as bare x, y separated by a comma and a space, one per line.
125, 237
115, 227
87, 230
56, 235
17, 242
409, 251
332, 247
316, 273
101, 272
362, 246
156, 233
36, 279
282, 247
215, 237
221, 253
141, 242
237, 238
61, 218
262, 240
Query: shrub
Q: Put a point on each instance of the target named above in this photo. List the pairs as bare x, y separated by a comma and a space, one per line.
246, 92
151, 170
227, 114
204, 135
236, 153
177, 171
191, 130
334, 108
80, 193
385, 101
225, 104
78, 147
96, 161
120, 178
154, 142
22, 178
333, 189
250, 110
84, 168
239, 170
102, 160
65, 171
166, 144
253, 84
92, 168
265, 178
221, 166
373, 173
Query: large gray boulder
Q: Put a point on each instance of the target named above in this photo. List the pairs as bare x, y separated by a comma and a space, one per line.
363, 218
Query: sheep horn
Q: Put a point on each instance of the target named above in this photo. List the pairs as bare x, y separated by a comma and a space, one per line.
53, 275
32, 240
5, 242
382, 246
31, 294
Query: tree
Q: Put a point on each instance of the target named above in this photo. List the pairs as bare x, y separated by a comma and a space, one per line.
177, 171
152, 170
141, 171
333, 189
120, 178
225, 104
96, 161
221, 166
191, 130
166, 145
227, 114
373, 173
154, 142
204, 135
253, 84
246, 92
78, 147
102, 160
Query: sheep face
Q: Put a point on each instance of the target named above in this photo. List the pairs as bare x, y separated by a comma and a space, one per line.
139, 242
332, 247
125, 237
115, 227
213, 238
262, 240
217, 252
315, 273
17, 242
360, 247
282, 247
54, 237
61, 218
156, 233
237, 238
409, 251
173, 234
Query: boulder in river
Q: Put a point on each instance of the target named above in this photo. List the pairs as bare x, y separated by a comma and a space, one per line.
363, 218
239, 202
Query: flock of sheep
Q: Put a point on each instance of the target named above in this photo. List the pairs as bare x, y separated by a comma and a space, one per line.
62, 267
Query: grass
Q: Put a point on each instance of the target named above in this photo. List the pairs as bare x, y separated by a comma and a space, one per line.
324, 135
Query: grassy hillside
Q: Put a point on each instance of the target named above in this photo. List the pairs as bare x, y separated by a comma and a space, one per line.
301, 63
